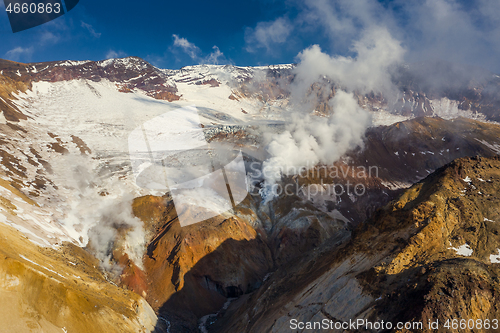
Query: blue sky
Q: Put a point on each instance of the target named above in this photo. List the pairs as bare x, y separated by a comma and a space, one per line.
172, 34
96, 29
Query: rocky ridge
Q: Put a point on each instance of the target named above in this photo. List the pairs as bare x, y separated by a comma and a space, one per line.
431, 254
469, 92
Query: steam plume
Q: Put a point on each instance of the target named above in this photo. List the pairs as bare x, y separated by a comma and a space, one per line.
309, 140
98, 212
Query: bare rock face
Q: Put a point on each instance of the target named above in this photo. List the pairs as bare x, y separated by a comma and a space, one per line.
451, 259
408, 151
298, 227
192, 271
429, 255
10, 86
128, 73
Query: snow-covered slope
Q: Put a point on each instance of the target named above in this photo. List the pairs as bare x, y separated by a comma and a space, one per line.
85, 125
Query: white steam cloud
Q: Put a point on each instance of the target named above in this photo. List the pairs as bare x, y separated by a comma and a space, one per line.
310, 140
214, 58
114, 216
268, 34
19, 53
376, 52
98, 213
188, 47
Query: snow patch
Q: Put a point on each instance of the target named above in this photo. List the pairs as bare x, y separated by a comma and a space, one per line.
395, 185
495, 258
384, 118
448, 109
493, 146
34, 263
69, 63
463, 250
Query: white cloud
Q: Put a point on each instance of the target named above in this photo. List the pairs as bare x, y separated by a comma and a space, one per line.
215, 57
194, 52
186, 46
20, 54
268, 34
48, 37
91, 30
376, 52
342, 21
50, 34
460, 31
115, 54
447, 29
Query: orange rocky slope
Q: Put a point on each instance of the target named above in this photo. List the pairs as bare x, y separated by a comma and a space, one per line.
192, 271
47, 290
